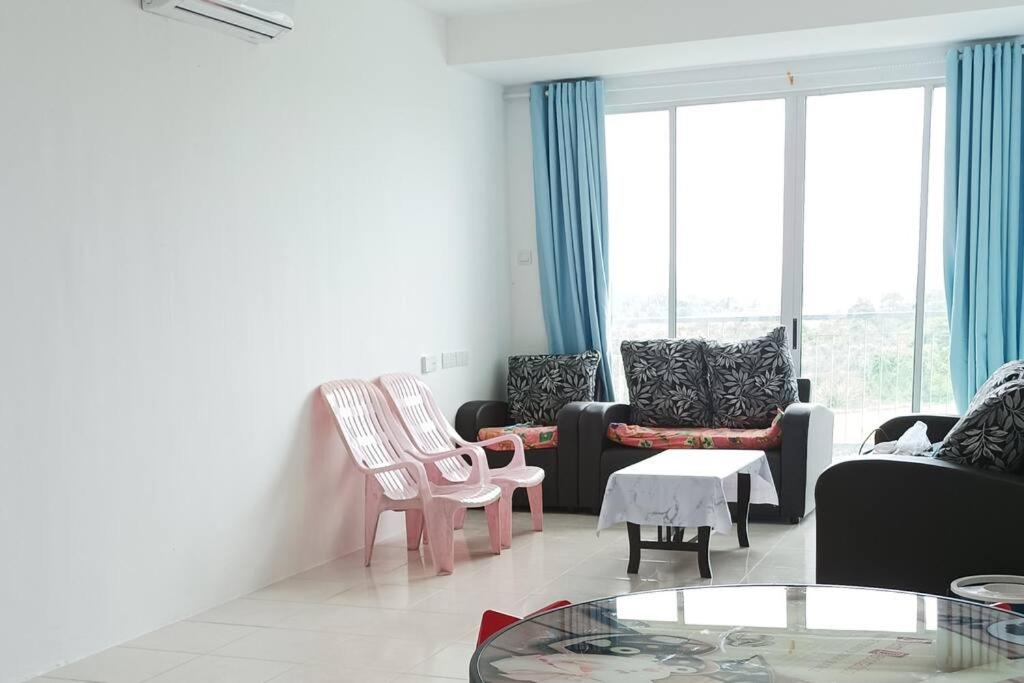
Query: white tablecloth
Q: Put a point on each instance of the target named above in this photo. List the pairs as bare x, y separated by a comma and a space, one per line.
685, 488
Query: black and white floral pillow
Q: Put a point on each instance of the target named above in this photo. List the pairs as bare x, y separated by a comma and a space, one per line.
751, 380
991, 435
540, 385
667, 380
1007, 372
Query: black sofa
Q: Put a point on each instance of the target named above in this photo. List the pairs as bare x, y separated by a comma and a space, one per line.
559, 464
916, 523
806, 451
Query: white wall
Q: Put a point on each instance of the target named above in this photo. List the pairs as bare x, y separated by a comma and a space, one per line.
196, 232
528, 333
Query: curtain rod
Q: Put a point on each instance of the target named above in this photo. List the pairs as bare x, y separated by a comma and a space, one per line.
1017, 41
788, 74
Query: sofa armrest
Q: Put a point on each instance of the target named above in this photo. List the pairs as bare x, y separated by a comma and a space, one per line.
938, 426
915, 523
568, 422
806, 452
592, 441
475, 415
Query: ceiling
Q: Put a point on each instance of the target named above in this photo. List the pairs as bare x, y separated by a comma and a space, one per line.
566, 39
464, 7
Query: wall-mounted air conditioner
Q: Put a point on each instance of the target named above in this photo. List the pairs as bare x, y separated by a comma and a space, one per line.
254, 20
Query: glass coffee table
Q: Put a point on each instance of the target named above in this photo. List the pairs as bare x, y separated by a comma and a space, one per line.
774, 634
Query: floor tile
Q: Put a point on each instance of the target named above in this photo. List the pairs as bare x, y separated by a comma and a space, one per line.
284, 645
339, 619
122, 665
438, 627
451, 662
333, 673
191, 636
300, 590
250, 612
472, 600
215, 669
388, 596
380, 653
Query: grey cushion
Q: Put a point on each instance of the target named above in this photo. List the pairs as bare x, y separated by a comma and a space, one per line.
667, 380
991, 435
1007, 372
540, 385
751, 380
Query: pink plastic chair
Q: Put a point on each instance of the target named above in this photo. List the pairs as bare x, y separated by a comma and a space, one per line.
431, 432
397, 480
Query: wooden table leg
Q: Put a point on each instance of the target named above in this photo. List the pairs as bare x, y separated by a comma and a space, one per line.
742, 508
703, 551
633, 531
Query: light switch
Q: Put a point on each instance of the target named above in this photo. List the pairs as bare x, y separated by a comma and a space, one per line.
525, 257
428, 364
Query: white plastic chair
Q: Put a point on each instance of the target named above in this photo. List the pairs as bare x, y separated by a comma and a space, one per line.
431, 432
397, 480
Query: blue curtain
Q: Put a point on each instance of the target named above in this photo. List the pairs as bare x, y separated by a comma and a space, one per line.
983, 259
571, 196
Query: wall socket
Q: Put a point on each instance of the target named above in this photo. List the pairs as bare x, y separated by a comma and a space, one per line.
454, 359
428, 364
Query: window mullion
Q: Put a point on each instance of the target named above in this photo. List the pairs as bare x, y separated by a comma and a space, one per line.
672, 213
793, 219
922, 253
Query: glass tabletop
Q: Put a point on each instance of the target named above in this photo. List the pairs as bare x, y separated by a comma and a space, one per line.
753, 634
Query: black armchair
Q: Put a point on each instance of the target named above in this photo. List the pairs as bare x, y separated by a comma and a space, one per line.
560, 464
916, 523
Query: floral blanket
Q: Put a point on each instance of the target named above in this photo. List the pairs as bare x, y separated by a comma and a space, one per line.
639, 436
534, 437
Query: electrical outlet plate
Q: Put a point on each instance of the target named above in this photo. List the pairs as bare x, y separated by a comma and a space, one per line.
428, 364
454, 359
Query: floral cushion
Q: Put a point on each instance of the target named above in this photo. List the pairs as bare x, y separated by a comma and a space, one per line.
667, 380
639, 436
750, 380
534, 437
539, 386
991, 435
1006, 373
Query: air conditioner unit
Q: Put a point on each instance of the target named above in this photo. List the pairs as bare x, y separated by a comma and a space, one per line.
254, 20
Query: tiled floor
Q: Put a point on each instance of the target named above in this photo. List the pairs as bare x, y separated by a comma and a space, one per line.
398, 621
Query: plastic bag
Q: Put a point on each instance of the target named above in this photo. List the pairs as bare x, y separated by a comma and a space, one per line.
913, 442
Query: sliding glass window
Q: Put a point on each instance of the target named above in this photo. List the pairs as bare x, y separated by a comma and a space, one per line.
819, 212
